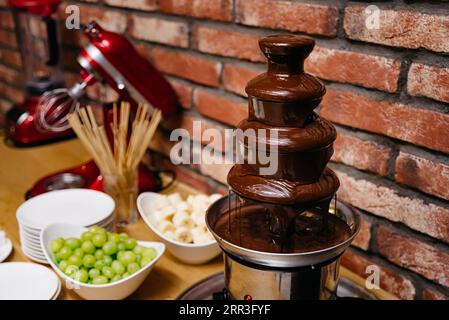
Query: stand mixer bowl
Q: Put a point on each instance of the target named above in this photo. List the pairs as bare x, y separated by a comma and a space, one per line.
254, 274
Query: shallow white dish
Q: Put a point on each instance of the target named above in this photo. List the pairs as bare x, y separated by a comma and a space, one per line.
186, 252
111, 291
5, 250
27, 281
82, 207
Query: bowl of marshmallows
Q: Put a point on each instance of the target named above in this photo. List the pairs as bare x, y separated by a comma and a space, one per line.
181, 224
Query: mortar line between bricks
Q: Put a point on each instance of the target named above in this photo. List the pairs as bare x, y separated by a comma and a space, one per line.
416, 278
382, 182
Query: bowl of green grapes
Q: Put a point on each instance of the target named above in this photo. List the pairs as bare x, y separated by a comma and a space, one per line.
97, 264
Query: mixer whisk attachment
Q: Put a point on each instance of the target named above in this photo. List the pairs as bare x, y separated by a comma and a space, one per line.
56, 106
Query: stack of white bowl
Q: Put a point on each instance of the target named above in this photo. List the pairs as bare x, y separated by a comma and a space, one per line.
81, 207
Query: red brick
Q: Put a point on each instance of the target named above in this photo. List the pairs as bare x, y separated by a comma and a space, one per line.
212, 9
423, 174
147, 5
426, 128
10, 75
186, 122
220, 108
101, 92
428, 81
6, 20
430, 294
407, 252
12, 93
363, 239
390, 280
8, 39
187, 66
386, 202
362, 154
110, 20
352, 67
184, 93
217, 171
159, 30
235, 78
296, 17
399, 28
227, 43
11, 57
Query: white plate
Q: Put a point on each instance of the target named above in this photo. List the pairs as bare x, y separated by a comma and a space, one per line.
5, 250
81, 207
27, 281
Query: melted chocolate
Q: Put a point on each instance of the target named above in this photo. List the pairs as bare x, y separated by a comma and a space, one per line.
263, 229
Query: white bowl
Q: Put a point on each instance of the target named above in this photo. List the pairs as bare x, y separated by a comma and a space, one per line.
111, 291
186, 252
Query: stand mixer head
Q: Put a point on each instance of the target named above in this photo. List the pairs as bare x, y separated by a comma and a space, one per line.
110, 57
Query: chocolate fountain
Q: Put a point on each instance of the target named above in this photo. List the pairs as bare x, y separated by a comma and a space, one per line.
282, 234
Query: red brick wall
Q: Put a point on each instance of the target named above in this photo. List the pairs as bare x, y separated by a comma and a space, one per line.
388, 94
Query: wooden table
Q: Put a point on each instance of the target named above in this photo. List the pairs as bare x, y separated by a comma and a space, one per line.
21, 167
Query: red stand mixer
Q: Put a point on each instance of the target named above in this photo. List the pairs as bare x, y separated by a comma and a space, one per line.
40, 57
110, 57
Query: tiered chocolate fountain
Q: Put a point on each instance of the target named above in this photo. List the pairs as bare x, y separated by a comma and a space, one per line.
279, 237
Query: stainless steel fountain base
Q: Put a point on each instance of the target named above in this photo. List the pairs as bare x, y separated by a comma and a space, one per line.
250, 282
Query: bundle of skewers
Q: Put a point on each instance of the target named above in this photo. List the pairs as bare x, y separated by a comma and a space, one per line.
118, 162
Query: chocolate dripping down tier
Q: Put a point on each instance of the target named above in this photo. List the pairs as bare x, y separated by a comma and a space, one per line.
283, 100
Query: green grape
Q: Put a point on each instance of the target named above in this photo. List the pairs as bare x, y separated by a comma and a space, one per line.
107, 260
145, 261
138, 258
86, 236
149, 252
116, 278
130, 243
75, 260
99, 264
63, 265
88, 247
65, 253
73, 243
108, 272
119, 254
114, 237
125, 275
132, 267
123, 236
100, 280
127, 257
56, 245
82, 276
58, 257
99, 239
99, 254
71, 270
138, 249
89, 261
94, 229
110, 248
121, 246
94, 273
118, 267
78, 252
